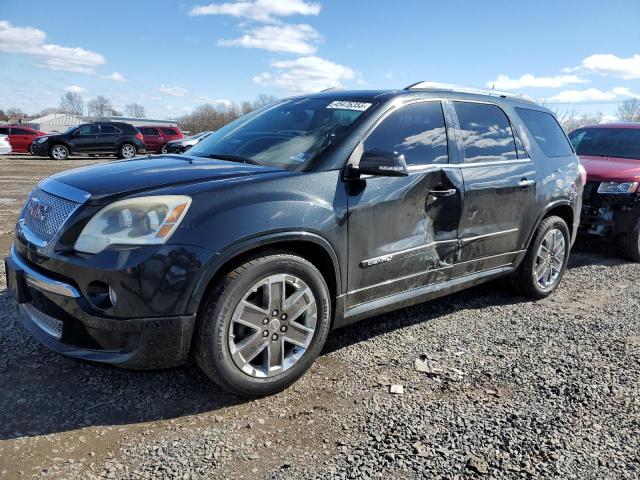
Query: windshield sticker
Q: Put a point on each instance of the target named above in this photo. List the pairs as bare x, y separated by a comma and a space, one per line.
300, 157
346, 105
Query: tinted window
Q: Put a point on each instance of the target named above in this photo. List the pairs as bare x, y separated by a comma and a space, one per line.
149, 131
88, 130
4, 131
547, 132
417, 131
21, 131
607, 142
486, 133
168, 131
108, 129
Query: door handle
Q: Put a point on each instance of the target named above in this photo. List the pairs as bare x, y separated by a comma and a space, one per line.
443, 193
524, 183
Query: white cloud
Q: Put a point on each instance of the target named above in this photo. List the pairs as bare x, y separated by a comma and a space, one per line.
530, 81
75, 89
260, 10
592, 95
173, 91
223, 102
31, 41
115, 76
301, 39
609, 64
305, 74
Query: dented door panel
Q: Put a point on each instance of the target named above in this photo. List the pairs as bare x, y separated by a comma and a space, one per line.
400, 236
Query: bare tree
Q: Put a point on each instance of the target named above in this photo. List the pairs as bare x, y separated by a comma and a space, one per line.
134, 110
262, 100
100, 107
3, 116
72, 103
570, 119
629, 110
15, 113
50, 110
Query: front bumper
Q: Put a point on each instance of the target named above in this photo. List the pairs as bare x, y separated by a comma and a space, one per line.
40, 149
56, 313
608, 214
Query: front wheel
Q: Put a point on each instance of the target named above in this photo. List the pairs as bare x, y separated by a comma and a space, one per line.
163, 149
264, 324
127, 151
628, 244
546, 259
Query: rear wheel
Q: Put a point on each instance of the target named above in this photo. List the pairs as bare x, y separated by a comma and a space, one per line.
546, 259
127, 151
59, 152
163, 149
264, 324
628, 244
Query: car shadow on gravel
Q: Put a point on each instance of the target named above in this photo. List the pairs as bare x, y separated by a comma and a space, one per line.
43, 392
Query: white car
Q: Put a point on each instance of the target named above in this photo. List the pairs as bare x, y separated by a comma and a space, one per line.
5, 146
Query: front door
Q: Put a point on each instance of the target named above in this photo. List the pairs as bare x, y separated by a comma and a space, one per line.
21, 139
403, 230
500, 189
85, 139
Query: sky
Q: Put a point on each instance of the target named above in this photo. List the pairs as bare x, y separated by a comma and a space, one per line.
172, 56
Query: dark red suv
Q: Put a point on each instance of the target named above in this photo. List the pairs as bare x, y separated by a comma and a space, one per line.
20, 137
611, 206
156, 137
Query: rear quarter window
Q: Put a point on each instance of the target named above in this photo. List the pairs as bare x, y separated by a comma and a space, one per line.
547, 132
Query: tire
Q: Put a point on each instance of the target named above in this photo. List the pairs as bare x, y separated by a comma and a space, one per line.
58, 152
127, 151
218, 344
163, 149
525, 279
628, 244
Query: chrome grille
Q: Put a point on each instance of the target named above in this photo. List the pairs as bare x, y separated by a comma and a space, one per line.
44, 213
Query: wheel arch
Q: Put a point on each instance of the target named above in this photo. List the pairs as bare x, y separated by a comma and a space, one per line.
309, 246
562, 209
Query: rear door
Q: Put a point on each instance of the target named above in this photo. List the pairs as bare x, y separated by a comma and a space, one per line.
108, 140
500, 188
403, 230
85, 139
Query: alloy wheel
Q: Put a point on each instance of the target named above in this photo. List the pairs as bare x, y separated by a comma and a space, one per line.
128, 151
59, 152
550, 259
272, 326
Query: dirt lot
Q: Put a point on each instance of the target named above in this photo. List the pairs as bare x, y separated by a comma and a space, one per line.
515, 389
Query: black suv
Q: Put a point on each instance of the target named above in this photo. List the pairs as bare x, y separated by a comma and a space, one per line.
117, 138
298, 218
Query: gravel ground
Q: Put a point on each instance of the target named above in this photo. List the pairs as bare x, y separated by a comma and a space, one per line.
494, 386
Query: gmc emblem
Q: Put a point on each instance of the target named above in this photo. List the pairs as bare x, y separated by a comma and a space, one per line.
38, 209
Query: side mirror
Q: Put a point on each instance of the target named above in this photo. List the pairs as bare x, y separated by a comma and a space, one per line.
382, 163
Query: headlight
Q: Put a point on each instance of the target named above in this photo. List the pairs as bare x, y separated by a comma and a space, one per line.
137, 221
40, 139
616, 187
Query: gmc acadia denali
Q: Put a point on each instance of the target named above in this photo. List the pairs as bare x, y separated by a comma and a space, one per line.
303, 216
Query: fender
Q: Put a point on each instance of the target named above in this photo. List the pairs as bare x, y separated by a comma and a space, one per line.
558, 203
261, 240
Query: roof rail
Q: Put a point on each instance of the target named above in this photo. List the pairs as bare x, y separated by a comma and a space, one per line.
450, 87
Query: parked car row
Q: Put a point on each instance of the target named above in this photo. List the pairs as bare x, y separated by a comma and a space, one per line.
99, 138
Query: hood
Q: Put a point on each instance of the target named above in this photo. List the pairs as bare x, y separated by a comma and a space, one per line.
149, 173
605, 169
184, 141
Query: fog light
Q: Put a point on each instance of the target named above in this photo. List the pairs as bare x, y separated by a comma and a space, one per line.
112, 296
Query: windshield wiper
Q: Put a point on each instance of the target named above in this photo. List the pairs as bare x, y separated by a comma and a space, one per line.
231, 158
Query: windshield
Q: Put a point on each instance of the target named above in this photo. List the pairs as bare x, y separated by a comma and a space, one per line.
607, 142
289, 134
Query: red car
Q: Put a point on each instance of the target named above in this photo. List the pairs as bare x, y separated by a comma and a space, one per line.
156, 137
20, 137
611, 204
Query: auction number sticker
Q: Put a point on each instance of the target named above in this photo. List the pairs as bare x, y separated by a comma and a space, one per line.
346, 105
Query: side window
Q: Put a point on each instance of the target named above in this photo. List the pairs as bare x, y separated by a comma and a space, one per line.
417, 131
486, 133
547, 132
150, 131
20, 131
88, 130
168, 131
107, 129
4, 131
